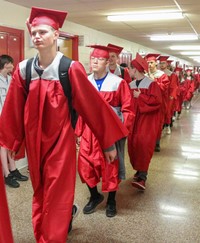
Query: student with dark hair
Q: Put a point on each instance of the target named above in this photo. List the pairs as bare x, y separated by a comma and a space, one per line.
11, 173
113, 65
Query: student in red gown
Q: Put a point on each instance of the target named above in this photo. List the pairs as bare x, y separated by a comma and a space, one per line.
173, 85
41, 116
189, 86
147, 105
180, 91
163, 81
92, 165
5, 226
114, 66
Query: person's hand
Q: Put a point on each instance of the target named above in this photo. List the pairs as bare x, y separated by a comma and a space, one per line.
12, 154
111, 155
136, 93
78, 141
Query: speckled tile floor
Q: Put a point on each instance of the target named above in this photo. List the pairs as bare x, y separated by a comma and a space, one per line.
167, 212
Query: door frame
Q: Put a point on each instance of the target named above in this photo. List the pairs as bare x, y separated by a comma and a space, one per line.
74, 39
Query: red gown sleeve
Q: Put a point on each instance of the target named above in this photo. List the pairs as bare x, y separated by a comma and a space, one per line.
163, 82
127, 108
5, 226
173, 85
12, 116
150, 101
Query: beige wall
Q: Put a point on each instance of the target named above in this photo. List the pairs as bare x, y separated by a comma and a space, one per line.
14, 16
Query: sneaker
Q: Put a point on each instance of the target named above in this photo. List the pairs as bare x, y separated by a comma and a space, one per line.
18, 176
11, 181
92, 204
139, 184
173, 118
168, 130
157, 148
75, 212
111, 210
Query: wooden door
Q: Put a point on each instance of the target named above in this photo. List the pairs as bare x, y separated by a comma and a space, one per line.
68, 45
65, 46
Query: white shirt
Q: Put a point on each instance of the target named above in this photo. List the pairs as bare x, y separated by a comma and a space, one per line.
4, 85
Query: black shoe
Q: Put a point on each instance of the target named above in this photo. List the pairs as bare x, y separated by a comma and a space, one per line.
111, 210
11, 181
157, 148
92, 204
18, 176
75, 212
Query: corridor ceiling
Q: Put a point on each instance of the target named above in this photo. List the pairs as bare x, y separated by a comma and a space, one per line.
93, 14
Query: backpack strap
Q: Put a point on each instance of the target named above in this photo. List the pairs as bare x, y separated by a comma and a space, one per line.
65, 63
28, 73
122, 71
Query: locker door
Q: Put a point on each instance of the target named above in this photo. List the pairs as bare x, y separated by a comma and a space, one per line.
14, 47
12, 43
3, 43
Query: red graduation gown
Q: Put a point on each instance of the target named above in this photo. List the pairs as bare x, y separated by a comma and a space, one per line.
92, 165
5, 227
163, 81
189, 87
173, 86
142, 139
43, 119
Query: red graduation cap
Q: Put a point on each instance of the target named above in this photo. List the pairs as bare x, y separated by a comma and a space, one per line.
151, 57
101, 51
53, 18
169, 61
116, 49
140, 63
188, 70
163, 58
178, 69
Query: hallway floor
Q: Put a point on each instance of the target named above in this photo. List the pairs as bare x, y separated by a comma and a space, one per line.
167, 212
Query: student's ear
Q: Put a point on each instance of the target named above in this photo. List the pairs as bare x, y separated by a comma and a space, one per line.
56, 33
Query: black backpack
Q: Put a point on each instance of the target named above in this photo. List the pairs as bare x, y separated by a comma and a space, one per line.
64, 65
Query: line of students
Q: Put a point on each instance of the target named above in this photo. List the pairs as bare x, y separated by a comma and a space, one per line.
42, 118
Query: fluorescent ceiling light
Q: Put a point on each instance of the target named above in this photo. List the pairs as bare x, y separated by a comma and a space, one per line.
173, 37
146, 16
188, 53
195, 57
185, 47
